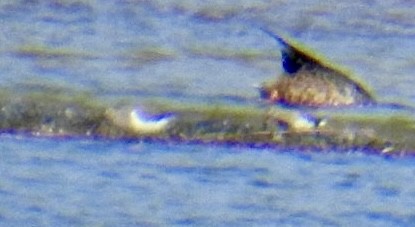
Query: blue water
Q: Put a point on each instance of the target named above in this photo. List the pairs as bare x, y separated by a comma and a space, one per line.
86, 182
97, 182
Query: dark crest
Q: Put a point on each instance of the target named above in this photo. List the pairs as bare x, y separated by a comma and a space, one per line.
292, 58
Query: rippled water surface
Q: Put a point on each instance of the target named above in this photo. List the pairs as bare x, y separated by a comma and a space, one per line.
84, 182
199, 50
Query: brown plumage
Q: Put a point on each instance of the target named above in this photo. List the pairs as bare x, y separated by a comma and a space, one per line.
311, 81
304, 90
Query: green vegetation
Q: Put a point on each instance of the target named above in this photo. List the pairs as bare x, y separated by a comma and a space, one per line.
60, 114
41, 51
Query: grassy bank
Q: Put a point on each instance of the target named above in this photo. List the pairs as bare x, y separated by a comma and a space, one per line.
59, 114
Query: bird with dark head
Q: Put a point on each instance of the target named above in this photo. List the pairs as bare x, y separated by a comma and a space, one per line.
311, 81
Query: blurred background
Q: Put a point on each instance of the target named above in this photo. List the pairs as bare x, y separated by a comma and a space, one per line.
200, 50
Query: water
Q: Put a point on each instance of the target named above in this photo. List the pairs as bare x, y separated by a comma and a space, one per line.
97, 182
84, 182
132, 50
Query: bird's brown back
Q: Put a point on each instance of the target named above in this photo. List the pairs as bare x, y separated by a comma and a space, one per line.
311, 81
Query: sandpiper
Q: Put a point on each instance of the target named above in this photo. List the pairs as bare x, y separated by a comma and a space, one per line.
139, 121
311, 81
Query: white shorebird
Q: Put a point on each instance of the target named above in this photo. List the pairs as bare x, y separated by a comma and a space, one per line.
297, 121
139, 121
143, 123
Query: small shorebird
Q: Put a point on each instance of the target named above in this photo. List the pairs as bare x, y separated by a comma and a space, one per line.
138, 121
143, 123
312, 81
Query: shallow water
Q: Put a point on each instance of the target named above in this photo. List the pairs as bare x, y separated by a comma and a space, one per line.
96, 182
133, 50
